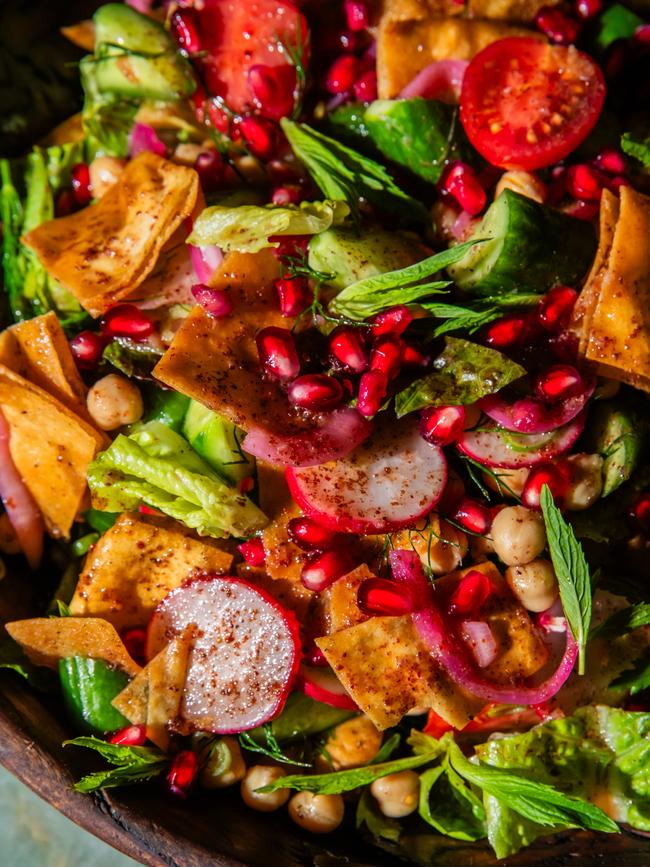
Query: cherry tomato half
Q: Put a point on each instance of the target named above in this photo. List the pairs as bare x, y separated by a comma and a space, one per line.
526, 104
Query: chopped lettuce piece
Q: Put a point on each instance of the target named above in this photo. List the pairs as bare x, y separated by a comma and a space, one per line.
636, 147
156, 466
247, 228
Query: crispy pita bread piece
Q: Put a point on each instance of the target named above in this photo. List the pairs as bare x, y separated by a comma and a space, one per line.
38, 350
520, 11
103, 252
290, 594
137, 563
51, 447
388, 671
132, 701
46, 640
339, 600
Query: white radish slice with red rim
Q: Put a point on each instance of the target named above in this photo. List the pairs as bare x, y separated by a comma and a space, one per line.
386, 483
245, 652
341, 432
529, 416
322, 684
494, 447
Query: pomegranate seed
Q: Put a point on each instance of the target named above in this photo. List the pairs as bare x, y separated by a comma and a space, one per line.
277, 352
372, 390
507, 332
272, 88
380, 597
316, 656
135, 641
473, 516
80, 177
472, 593
558, 383
365, 87
342, 74
347, 347
441, 425
387, 356
412, 357
394, 321
462, 184
289, 245
555, 475
215, 302
126, 320
184, 30
130, 736
555, 308
585, 183
642, 34
324, 568
617, 182
260, 136
310, 535
246, 485
294, 294
640, 512
356, 15
209, 167
527, 412
588, 8
144, 509
611, 161
220, 119
182, 773
87, 348
289, 194
65, 203
583, 210
316, 392
557, 26
557, 186
252, 550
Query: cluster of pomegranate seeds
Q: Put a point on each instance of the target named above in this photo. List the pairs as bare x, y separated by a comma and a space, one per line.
182, 773
81, 187
381, 597
129, 736
347, 347
316, 392
184, 29
325, 567
640, 512
310, 535
473, 516
555, 308
556, 475
351, 74
273, 89
557, 25
472, 593
558, 382
461, 182
127, 320
277, 352
215, 302
373, 387
294, 295
87, 348
252, 550
135, 641
442, 425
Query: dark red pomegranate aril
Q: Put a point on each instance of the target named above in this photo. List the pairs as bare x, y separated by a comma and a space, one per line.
324, 568
585, 183
640, 512
462, 184
294, 295
611, 161
556, 307
373, 387
310, 535
289, 245
393, 321
380, 597
272, 88
342, 74
87, 348
210, 168
184, 30
316, 657
347, 347
135, 641
65, 203
387, 355
277, 352
316, 392
642, 34
246, 485
588, 8
356, 15
473, 516
144, 509
412, 357
80, 178
127, 320
472, 593
182, 773
252, 550
557, 26
527, 413
260, 136
220, 119
129, 736
583, 210
507, 332
557, 383
365, 87
215, 302
441, 425
555, 475
287, 195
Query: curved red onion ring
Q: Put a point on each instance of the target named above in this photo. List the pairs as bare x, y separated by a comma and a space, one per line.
23, 513
442, 79
205, 261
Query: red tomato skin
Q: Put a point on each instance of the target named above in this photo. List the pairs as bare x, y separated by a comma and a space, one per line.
493, 100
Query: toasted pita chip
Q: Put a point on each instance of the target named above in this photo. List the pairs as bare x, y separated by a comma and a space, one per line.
167, 673
340, 607
388, 671
51, 448
136, 564
132, 701
103, 252
38, 350
46, 640
170, 282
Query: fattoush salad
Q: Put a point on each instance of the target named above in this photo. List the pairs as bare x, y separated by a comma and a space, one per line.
324, 411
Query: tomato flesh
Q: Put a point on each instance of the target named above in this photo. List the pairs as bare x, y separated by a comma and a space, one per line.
237, 35
526, 104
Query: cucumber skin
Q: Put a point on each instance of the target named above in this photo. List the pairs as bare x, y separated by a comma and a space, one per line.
533, 248
168, 407
210, 435
619, 439
89, 686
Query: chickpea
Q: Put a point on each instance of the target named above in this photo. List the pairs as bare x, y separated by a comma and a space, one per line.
524, 183
319, 814
506, 481
440, 547
104, 172
397, 794
353, 743
518, 535
225, 765
187, 153
114, 401
257, 777
586, 481
534, 584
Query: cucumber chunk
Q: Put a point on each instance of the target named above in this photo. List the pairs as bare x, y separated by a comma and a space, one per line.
217, 441
618, 437
168, 407
529, 248
89, 686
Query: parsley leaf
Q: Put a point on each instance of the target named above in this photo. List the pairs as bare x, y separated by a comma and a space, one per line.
271, 749
637, 147
637, 678
624, 621
132, 764
572, 572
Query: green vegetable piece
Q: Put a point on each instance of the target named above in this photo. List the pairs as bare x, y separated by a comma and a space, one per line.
13, 658
88, 687
131, 764
369, 814
167, 406
421, 135
99, 520
463, 373
218, 442
351, 256
636, 147
624, 621
347, 122
572, 573
618, 437
528, 248
135, 57
302, 717
82, 545
131, 358
11, 212
616, 22
636, 679
449, 805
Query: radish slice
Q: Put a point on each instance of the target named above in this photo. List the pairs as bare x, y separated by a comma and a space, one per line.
494, 447
244, 657
322, 684
341, 432
385, 484
442, 79
514, 417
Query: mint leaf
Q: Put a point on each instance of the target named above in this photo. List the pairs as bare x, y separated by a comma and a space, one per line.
387, 749
449, 805
637, 678
639, 148
368, 813
132, 764
572, 573
624, 621
472, 319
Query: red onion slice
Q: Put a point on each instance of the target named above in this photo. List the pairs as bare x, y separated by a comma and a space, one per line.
322, 684
442, 79
478, 635
145, 138
205, 261
530, 416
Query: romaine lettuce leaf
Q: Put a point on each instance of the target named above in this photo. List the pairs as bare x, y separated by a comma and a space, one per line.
156, 466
